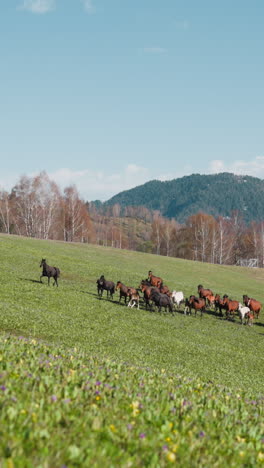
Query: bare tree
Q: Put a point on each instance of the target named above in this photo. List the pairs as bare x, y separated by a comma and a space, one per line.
5, 211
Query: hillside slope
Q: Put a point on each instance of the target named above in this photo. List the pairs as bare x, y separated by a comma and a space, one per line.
218, 194
73, 315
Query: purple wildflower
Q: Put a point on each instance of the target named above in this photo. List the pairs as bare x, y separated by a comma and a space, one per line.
3, 388
142, 435
98, 382
165, 448
201, 434
130, 426
54, 398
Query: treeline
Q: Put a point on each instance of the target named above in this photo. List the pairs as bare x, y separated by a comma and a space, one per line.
36, 207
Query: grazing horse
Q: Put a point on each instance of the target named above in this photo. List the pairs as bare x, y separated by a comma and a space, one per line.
155, 281
253, 304
49, 271
196, 303
204, 293
125, 291
104, 285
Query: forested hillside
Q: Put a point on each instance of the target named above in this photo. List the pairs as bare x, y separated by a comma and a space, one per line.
218, 195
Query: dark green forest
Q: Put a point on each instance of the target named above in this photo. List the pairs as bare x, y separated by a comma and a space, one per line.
218, 195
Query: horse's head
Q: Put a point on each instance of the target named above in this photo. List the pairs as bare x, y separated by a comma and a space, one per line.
200, 286
245, 298
42, 263
118, 285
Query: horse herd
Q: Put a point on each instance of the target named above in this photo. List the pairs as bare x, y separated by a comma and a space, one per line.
157, 294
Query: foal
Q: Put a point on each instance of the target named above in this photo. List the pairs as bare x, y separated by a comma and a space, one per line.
49, 271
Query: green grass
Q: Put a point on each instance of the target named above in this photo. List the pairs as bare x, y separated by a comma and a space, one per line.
60, 408
210, 350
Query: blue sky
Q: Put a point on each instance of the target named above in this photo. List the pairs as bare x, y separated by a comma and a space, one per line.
108, 94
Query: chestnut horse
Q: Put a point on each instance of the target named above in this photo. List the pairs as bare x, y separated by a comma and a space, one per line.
196, 303
146, 289
253, 304
125, 291
220, 304
165, 290
231, 307
204, 293
155, 281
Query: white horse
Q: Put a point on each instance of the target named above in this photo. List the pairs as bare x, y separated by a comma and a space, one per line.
177, 298
244, 313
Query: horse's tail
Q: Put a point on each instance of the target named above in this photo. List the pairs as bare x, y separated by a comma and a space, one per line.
58, 272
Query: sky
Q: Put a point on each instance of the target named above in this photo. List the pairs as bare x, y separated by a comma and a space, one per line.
109, 94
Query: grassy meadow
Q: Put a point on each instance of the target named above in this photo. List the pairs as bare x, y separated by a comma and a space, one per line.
86, 381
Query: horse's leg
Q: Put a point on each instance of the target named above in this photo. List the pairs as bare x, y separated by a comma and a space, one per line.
48, 280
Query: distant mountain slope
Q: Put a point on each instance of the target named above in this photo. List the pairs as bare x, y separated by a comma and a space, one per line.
218, 194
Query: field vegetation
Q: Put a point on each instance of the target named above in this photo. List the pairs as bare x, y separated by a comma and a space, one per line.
86, 381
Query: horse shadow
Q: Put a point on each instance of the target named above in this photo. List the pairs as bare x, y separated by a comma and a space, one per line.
259, 324
31, 280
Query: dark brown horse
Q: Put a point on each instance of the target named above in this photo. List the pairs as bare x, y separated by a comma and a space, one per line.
146, 289
105, 285
155, 281
253, 305
49, 271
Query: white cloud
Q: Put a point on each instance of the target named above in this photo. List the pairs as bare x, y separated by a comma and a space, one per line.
88, 6
99, 184
154, 50
254, 167
38, 6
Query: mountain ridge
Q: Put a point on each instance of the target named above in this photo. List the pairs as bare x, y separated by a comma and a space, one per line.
215, 194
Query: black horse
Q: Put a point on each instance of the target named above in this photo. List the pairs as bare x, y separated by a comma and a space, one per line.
49, 271
103, 284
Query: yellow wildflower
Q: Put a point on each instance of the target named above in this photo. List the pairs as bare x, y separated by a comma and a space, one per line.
10, 463
171, 457
112, 427
261, 457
